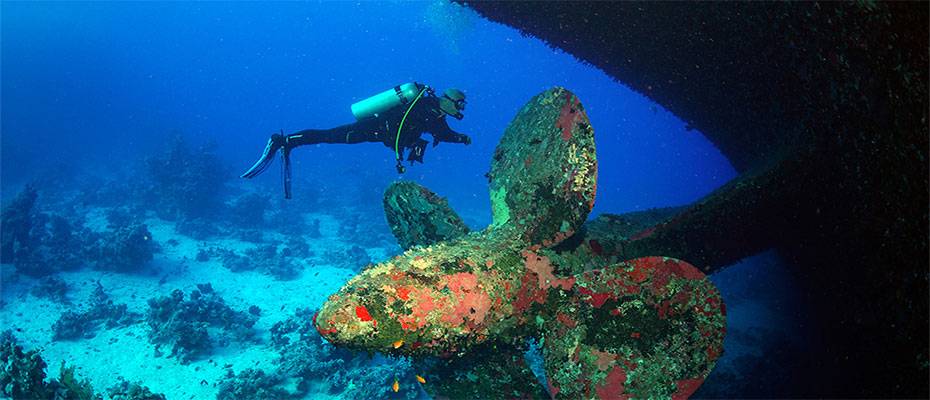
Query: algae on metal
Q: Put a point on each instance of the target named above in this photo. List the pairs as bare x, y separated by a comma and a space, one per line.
473, 300
418, 217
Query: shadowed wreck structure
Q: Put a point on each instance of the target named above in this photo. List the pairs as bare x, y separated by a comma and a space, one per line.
823, 109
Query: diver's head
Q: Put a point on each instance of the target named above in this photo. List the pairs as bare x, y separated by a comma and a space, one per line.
452, 102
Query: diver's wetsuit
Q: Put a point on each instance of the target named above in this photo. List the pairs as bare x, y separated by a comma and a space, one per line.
424, 117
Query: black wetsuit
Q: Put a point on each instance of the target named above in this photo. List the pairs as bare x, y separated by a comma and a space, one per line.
424, 117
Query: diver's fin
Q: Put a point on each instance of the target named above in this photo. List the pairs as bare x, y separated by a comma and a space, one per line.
264, 161
286, 172
651, 327
419, 217
544, 174
493, 372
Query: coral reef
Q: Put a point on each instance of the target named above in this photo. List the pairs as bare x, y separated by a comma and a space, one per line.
296, 247
252, 384
22, 375
16, 220
248, 211
186, 184
600, 329
124, 249
101, 311
263, 258
356, 257
305, 356
198, 228
356, 228
182, 325
122, 216
284, 221
53, 288
37, 243
69, 386
125, 390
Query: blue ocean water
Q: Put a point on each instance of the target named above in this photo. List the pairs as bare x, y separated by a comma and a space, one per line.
91, 90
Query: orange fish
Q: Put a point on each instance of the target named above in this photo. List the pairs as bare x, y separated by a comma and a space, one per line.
398, 343
420, 379
396, 386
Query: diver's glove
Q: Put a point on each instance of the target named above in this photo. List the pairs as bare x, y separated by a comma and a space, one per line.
276, 142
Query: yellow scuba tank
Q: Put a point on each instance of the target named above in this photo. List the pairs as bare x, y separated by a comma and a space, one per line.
400, 95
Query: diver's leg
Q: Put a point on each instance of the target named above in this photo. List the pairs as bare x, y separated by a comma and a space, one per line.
359, 132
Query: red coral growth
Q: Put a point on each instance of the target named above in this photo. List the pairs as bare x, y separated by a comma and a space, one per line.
527, 161
686, 387
641, 269
566, 320
596, 299
362, 313
403, 292
323, 332
644, 234
596, 247
613, 385
630, 365
471, 308
405, 324
470, 303
684, 270
663, 310
712, 353
541, 266
553, 389
528, 293
593, 172
604, 359
568, 115
461, 281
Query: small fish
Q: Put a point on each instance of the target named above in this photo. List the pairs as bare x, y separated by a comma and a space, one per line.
420, 379
396, 386
398, 343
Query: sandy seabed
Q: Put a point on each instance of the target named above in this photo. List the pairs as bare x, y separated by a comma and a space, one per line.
126, 352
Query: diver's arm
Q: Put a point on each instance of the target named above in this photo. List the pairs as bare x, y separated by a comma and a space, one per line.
443, 133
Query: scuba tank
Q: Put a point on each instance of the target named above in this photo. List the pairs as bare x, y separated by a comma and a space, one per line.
400, 95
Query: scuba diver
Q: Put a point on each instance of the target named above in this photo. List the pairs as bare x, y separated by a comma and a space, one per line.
396, 117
